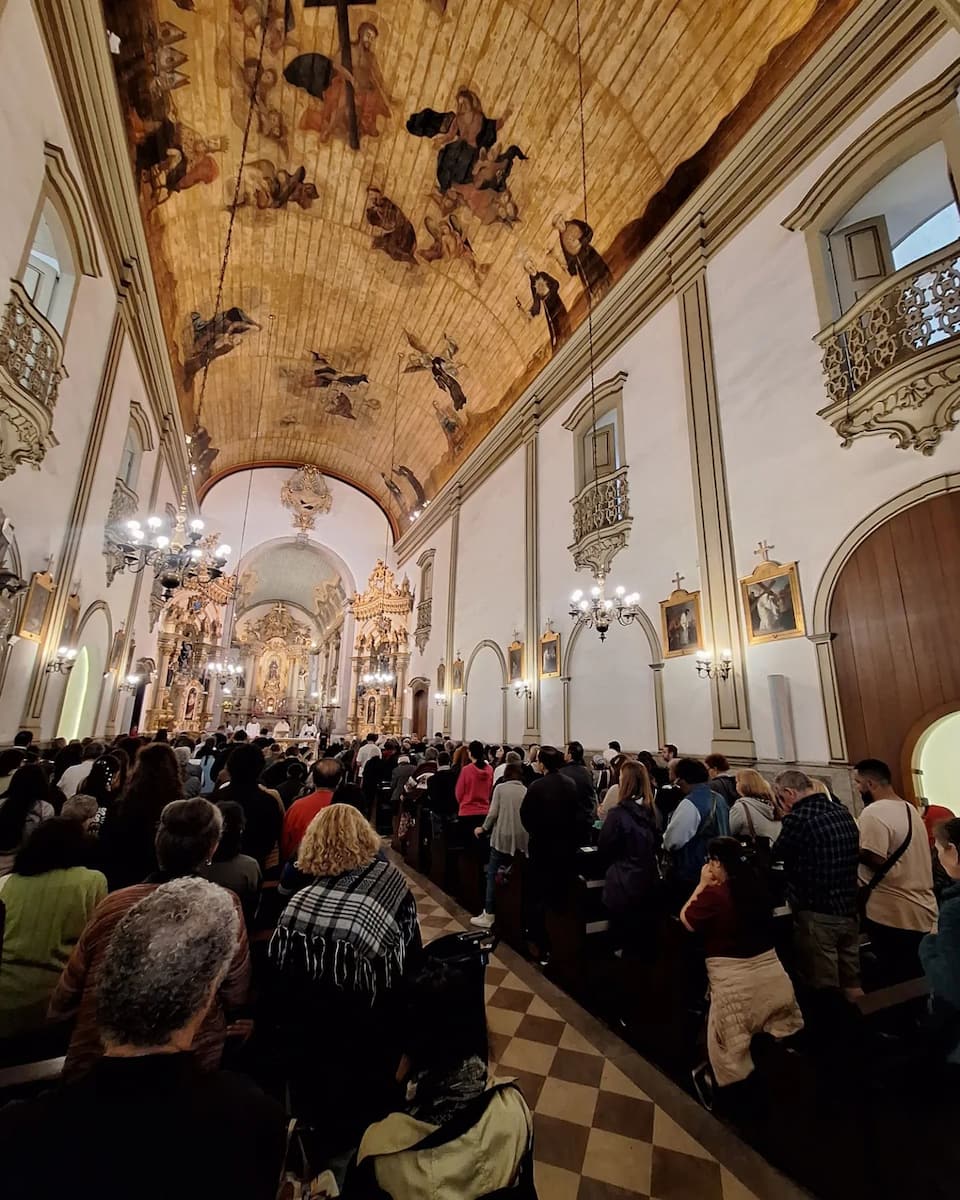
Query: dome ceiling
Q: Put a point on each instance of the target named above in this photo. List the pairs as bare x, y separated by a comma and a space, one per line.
296, 572
415, 217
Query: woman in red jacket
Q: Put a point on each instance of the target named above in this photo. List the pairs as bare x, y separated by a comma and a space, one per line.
474, 788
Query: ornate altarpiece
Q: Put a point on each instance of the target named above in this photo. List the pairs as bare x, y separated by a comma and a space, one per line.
382, 614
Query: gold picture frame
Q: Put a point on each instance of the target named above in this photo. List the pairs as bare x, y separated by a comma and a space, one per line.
441, 678
772, 605
550, 655
71, 622
33, 619
458, 674
515, 662
681, 624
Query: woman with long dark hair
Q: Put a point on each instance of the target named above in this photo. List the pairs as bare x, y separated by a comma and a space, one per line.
628, 845
262, 807
23, 806
70, 756
130, 827
49, 898
474, 787
750, 993
231, 868
104, 784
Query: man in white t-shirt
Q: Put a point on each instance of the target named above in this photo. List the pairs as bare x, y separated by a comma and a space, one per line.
368, 750
69, 782
901, 907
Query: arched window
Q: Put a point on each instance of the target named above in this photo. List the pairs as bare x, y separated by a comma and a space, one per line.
49, 275
911, 212
421, 635
130, 460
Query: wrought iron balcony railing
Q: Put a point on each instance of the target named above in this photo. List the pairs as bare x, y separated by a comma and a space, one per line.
601, 506
31, 370
892, 363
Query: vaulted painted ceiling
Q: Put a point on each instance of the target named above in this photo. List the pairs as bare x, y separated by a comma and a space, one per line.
407, 245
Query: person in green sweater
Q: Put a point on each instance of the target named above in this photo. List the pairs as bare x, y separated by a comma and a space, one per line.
49, 898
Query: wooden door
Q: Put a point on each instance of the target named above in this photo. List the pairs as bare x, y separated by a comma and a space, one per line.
896, 616
861, 259
419, 719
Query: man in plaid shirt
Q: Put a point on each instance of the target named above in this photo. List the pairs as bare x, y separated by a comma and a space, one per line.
819, 845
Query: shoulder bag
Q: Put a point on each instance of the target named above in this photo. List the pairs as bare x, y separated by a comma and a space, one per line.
865, 891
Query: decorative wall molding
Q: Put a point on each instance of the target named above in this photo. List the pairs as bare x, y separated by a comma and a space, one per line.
31, 371
75, 40
872, 46
531, 515
68, 196
720, 608
123, 507
421, 635
141, 423
612, 387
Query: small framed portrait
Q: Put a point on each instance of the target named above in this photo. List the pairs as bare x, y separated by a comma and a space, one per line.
772, 607
515, 661
681, 624
116, 650
458, 674
34, 618
441, 678
71, 619
550, 655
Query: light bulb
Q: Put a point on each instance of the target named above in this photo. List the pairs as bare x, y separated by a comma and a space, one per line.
196, 554
228, 691
726, 655
223, 550
620, 591
154, 522
577, 596
594, 591
137, 535
633, 599
161, 542
133, 525
196, 525
608, 604
584, 606
71, 654
62, 652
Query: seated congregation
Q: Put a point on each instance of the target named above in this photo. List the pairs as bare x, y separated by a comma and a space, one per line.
217, 938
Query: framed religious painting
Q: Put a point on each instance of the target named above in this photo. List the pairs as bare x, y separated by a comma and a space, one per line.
458, 674
116, 651
515, 661
680, 623
71, 619
441, 678
772, 607
34, 617
550, 655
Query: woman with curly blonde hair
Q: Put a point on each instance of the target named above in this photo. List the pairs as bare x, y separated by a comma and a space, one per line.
338, 957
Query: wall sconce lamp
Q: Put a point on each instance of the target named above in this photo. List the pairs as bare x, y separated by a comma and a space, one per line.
522, 690
63, 663
708, 669
439, 699
130, 684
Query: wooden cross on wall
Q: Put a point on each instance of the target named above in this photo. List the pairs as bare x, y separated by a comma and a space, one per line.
678, 581
346, 55
763, 551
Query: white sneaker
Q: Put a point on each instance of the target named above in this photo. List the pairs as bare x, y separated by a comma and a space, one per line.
484, 921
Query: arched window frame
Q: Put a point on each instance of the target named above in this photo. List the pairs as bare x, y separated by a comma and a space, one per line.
421, 635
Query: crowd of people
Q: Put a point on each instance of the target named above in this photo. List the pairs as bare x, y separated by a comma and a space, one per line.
171, 905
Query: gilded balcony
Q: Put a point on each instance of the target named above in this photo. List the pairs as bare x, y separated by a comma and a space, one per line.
601, 521
31, 370
891, 363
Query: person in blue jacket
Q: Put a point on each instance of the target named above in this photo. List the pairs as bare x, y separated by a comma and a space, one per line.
700, 816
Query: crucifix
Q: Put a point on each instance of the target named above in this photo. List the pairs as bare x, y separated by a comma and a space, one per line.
678, 581
346, 57
763, 551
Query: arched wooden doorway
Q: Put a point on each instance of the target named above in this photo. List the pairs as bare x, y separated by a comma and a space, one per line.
418, 719
895, 614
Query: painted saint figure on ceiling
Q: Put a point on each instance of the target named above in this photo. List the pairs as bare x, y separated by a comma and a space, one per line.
265, 186
328, 113
545, 297
399, 238
212, 339
582, 260
443, 368
470, 168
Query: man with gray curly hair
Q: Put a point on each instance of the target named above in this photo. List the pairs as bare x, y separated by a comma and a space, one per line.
158, 1112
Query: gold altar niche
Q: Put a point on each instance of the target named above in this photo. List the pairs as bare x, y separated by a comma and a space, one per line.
275, 650
380, 656
190, 631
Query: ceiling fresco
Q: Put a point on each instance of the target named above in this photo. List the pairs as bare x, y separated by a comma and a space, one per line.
407, 235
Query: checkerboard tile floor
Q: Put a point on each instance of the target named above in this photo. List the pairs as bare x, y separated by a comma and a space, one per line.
597, 1135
